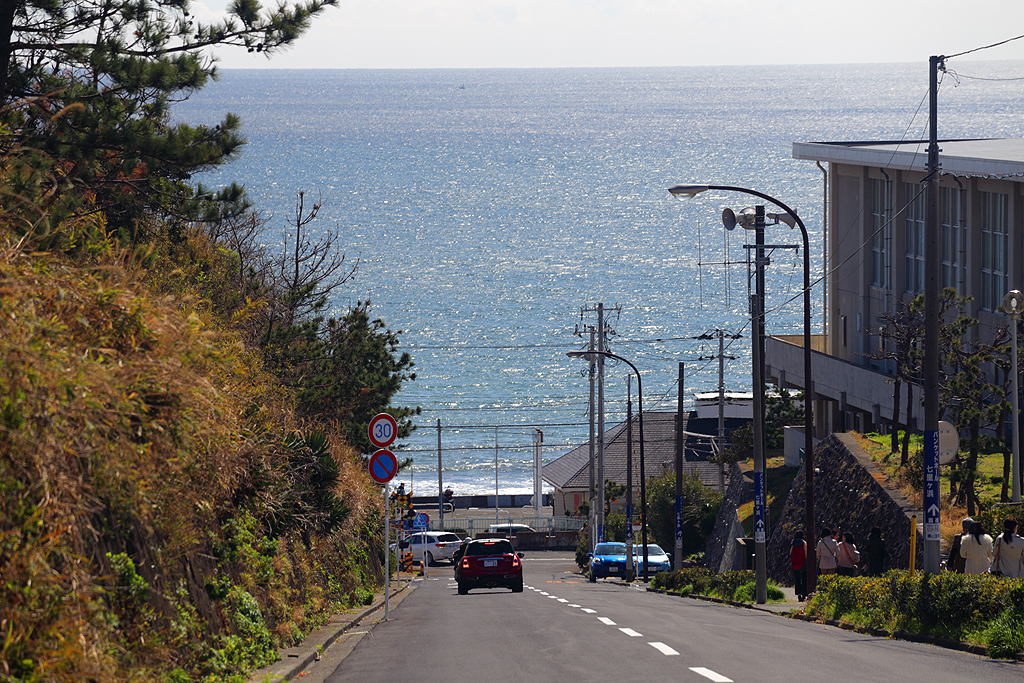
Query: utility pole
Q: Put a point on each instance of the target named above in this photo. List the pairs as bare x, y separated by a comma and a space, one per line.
440, 489
629, 479
680, 444
932, 308
721, 335
600, 424
757, 308
602, 334
591, 499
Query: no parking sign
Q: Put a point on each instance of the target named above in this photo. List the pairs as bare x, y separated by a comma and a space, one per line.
383, 466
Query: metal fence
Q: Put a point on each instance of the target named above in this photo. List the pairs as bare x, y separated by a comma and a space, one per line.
478, 524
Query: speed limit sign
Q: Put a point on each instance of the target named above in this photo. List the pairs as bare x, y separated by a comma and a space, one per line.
383, 430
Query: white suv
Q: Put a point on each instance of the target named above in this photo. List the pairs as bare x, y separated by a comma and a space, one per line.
439, 545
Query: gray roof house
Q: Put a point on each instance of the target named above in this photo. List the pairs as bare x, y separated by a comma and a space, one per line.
570, 473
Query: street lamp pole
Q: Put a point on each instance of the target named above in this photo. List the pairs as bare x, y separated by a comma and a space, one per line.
640, 408
693, 191
1013, 302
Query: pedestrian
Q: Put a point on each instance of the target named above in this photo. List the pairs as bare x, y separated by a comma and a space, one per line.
955, 561
1009, 552
976, 549
826, 552
847, 557
798, 558
876, 552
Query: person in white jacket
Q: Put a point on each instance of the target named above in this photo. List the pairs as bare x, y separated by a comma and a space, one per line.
976, 548
827, 552
1009, 552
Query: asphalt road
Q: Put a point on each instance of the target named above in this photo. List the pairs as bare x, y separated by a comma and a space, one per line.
562, 628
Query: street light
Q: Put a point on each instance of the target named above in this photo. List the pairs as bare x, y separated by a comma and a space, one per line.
640, 407
1013, 303
790, 218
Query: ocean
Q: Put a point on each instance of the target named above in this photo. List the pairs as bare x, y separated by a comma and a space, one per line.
492, 210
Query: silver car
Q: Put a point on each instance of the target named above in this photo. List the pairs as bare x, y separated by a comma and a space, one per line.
438, 545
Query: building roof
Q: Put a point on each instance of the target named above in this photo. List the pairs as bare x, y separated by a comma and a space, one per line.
572, 470
1003, 157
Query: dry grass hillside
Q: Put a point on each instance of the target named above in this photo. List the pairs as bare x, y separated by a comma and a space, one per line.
164, 513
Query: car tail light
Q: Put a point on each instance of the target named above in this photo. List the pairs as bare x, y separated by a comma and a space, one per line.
515, 560
465, 563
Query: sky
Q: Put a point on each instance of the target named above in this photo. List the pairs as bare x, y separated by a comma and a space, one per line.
608, 33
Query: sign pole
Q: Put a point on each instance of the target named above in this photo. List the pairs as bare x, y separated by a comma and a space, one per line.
387, 551
383, 465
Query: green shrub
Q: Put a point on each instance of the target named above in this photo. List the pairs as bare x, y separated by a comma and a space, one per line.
982, 609
1005, 635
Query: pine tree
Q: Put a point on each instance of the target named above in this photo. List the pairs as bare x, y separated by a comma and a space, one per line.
85, 91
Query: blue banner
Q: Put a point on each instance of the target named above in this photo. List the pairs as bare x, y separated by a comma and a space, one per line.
759, 511
931, 485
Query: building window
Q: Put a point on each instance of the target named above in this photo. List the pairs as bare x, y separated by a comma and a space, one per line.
881, 196
993, 249
914, 267
951, 219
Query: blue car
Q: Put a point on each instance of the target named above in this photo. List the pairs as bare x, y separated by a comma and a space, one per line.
608, 559
657, 560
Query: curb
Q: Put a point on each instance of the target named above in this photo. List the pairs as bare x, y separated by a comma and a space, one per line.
296, 659
946, 643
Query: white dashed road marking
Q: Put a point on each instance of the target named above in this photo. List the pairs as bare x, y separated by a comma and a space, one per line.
573, 605
630, 632
562, 600
708, 673
663, 648
588, 611
606, 620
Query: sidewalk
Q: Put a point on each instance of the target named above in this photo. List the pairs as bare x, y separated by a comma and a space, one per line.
316, 651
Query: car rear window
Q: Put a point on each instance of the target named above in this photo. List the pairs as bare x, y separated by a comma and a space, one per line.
489, 548
448, 538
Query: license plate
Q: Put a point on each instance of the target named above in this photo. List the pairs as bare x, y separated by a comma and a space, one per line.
613, 570
490, 563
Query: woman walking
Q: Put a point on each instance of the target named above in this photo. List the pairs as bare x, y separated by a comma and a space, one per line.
848, 557
827, 550
1009, 552
976, 549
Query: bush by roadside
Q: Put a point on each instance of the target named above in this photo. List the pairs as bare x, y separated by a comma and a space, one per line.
982, 610
735, 585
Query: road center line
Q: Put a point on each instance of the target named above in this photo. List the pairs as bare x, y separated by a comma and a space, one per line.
573, 605
562, 600
606, 620
708, 673
663, 648
630, 632
589, 611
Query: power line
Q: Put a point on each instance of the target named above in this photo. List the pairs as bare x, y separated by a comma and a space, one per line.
986, 47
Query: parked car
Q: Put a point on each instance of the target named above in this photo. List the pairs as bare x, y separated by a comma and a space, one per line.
439, 545
490, 563
608, 559
657, 560
509, 529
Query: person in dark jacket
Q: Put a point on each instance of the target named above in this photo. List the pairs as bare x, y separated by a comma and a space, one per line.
954, 562
798, 558
876, 551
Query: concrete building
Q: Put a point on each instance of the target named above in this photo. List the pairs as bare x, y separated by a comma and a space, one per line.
875, 246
